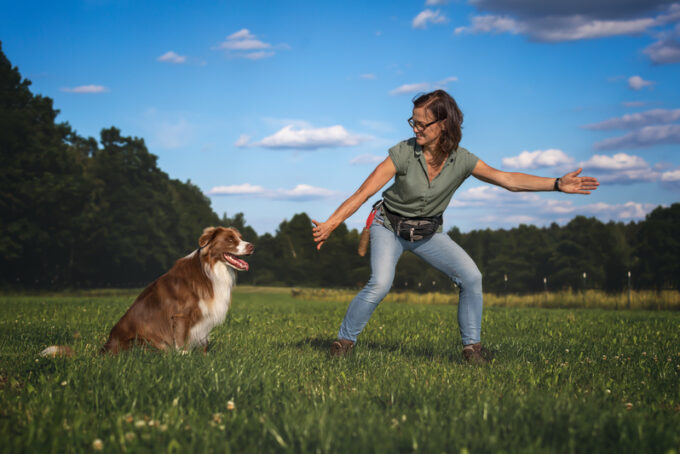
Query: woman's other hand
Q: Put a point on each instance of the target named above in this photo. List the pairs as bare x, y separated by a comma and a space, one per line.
321, 232
376, 180
571, 183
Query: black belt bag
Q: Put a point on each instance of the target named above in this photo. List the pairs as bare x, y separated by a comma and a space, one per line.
413, 229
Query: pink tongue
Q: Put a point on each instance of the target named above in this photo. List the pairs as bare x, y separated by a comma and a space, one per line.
238, 263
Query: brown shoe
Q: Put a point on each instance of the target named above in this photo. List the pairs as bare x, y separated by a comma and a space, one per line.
341, 347
477, 355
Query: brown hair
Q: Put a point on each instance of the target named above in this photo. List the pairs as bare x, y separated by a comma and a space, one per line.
443, 107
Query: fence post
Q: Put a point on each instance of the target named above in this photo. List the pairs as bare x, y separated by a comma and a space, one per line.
584, 289
629, 290
545, 289
505, 287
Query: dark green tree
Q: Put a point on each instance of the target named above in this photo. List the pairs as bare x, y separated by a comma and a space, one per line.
42, 189
658, 249
139, 221
338, 263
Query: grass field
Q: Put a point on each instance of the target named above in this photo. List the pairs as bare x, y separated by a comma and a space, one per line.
564, 380
568, 299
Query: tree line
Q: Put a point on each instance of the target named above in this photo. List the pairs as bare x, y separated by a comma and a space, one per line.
584, 253
81, 212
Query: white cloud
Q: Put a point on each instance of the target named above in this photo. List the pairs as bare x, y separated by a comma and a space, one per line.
577, 28
665, 50
556, 29
559, 207
172, 57
620, 212
663, 166
537, 159
411, 88
671, 179
242, 34
290, 137
86, 89
671, 176
520, 219
244, 44
242, 140
575, 20
638, 83
447, 80
422, 86
672, 16
258, 55
368, 76
301, 192
508, 205
304, 192
639, 119
491, 195
513, 208
492, 24
428, 16
436, 2
620, 169
643, 137
366, 159
240, 189
620, 161
600, 9
243, 40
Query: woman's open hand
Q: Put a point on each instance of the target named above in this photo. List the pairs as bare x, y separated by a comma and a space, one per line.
571, 183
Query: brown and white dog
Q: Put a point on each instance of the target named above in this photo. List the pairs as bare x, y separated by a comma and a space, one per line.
180, 308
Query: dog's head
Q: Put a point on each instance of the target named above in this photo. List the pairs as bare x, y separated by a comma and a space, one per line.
225, 245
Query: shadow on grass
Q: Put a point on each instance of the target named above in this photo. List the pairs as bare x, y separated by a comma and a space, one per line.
322, 344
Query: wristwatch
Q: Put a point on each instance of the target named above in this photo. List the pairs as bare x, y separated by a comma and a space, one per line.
556, 187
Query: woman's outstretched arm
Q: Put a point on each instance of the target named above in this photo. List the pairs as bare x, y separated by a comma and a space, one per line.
376, 180
514, 181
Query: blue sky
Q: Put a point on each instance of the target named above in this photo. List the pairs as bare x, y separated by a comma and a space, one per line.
277, 108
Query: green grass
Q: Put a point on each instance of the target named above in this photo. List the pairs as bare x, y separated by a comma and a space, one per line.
565, 380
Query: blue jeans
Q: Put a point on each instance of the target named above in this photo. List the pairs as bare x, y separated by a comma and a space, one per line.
439, 251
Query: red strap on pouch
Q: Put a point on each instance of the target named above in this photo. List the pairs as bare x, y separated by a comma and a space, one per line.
369, 220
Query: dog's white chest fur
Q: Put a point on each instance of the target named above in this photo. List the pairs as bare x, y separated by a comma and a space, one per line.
214, 312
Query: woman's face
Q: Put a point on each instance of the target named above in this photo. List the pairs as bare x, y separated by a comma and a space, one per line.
427, 133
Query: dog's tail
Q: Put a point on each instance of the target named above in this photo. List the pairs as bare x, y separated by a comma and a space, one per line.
54, 351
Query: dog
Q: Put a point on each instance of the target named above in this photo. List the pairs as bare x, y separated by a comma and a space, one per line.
179, 309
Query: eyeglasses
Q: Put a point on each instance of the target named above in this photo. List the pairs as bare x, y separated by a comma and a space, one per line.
419, 126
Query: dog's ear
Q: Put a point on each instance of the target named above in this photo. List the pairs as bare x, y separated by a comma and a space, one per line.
207, 236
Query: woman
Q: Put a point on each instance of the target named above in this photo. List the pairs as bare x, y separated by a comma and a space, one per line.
427, 170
